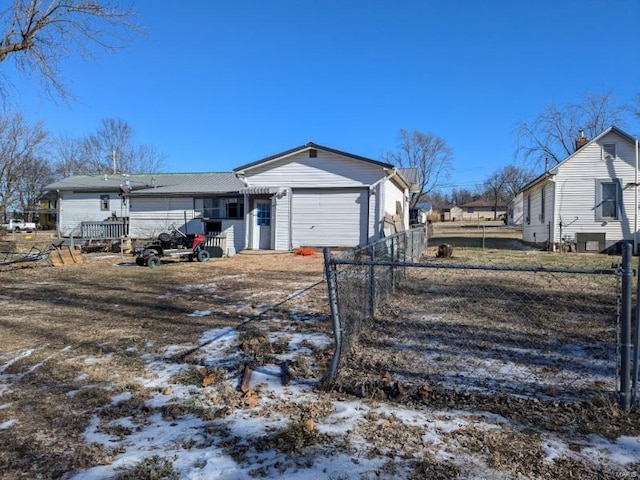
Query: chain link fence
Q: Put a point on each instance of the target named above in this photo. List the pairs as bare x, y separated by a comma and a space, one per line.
401, 318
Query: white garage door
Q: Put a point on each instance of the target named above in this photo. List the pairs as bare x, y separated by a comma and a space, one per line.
329, 217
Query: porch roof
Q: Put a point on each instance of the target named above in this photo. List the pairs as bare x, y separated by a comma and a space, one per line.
260, 190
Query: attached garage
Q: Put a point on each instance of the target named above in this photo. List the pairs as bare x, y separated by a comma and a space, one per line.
321, 197
335, 217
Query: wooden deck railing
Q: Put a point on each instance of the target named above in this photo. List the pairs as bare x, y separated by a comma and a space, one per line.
107, 230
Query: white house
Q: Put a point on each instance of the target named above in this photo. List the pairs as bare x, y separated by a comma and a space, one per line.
590, 199
317, 196
307, 196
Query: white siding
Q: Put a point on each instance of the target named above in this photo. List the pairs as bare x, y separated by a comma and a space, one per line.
282, 234
327, 170
536, 228
576, 185
394, 194
76, 207
515, 211
376, 213
329, 217
151, 216
234, 230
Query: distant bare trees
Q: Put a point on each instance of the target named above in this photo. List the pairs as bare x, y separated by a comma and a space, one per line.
504, 184
112, 148
428, 153
38, 34
23, 166
26, 150
551, 135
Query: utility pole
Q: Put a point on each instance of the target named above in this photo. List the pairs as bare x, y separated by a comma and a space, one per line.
113, 155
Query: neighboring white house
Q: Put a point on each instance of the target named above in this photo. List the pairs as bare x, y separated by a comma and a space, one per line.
317, 196
590, 199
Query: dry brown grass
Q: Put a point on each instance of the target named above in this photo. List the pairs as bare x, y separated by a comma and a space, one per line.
78, 333
82, 330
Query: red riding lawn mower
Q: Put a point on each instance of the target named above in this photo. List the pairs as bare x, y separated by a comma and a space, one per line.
174, 244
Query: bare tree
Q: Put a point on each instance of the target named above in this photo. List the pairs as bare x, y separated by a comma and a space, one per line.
67, 157
460, 196
112, 148
551, 135
426, 152
495, 191
634, 107
36, 174
39, 34
504, 184
22, 146
515, 178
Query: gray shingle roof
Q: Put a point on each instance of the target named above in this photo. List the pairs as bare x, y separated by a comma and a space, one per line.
409, 174
156, 184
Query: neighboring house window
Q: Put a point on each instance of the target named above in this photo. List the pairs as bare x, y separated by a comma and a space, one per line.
543, 195
264, 214
528, 219
609, 151
469, 209
223, 207
607, 199
104, 202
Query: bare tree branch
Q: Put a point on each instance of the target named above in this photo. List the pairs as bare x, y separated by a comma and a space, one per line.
426, 152
94, 153
22, 146
551, 135
504, 184
39, 34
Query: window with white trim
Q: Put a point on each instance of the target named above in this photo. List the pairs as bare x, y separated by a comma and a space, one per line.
543, 200
608, 199
528, 219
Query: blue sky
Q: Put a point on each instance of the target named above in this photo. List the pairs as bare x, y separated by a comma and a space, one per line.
217, 84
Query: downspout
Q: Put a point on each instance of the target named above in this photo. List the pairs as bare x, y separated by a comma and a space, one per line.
635, 227
394, 172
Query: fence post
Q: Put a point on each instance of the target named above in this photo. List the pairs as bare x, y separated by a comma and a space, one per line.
372, 282
335, 313
625, 330
413, 253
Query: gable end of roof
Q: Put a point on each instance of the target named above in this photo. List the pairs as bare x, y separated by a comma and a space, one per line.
309, 146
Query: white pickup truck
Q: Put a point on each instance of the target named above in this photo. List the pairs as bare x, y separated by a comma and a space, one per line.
17, 226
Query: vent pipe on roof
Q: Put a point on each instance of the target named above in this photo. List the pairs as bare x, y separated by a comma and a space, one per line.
582, 140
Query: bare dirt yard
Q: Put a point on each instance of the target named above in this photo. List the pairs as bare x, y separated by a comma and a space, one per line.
212, 370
